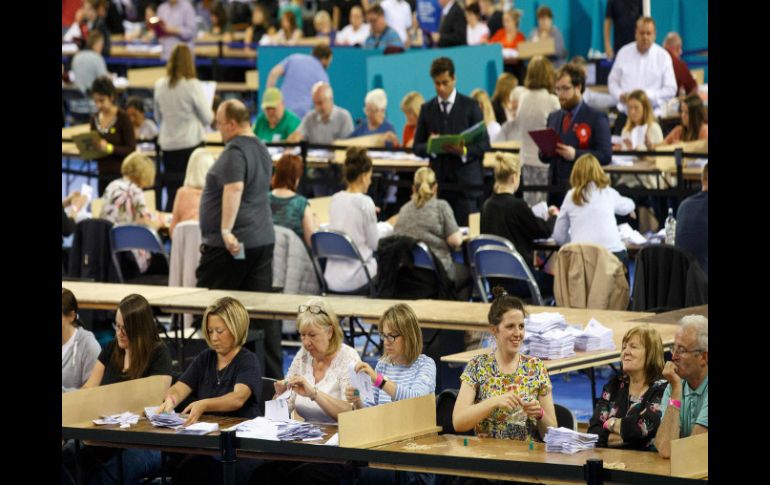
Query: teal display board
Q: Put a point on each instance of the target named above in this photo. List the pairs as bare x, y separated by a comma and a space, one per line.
347, 73
475, 67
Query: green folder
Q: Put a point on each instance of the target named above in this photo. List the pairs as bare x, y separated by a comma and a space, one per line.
471, 136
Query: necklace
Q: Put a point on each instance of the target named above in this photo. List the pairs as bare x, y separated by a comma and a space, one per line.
221, 373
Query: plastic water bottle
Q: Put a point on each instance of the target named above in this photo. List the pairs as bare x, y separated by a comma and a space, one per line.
670, 227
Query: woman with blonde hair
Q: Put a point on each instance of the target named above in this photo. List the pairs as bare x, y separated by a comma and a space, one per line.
535, 103
188, 197
183, 112
501, 97
628, 413
509, 36
410, 106
589, 209
481, 97
403, 372
640, 117
508, 216
432, 221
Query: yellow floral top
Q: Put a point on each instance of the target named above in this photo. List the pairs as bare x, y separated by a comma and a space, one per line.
530, 381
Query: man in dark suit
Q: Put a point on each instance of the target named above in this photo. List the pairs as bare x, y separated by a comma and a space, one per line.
452, 28
451, 113
692, 223
581, 128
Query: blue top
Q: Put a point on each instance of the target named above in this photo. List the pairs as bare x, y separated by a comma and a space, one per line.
695, 406
363, 129
389, 38
415, 380
692, 228
301, 72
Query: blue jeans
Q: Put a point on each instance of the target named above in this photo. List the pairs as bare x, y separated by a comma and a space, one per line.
138, 463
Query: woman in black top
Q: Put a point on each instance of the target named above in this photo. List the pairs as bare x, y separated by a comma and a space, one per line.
136, 352
628, 413
224, 380
507, 216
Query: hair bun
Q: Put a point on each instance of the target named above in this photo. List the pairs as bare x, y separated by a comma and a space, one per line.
499, 292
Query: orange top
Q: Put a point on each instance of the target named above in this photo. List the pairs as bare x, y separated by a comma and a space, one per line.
676, 134
499, 38
408, 133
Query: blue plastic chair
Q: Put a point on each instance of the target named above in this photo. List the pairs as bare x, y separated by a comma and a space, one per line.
422, 258
494, 261
336, 244
133, 236
473, 245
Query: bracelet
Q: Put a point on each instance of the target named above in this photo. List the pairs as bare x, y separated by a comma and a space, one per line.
110, 148
378, 382
382, 384
315, 394
542, 413
225, 232
172, 399
675, 403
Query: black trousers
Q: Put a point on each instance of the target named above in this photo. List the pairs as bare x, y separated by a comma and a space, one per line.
174, 169
218, 270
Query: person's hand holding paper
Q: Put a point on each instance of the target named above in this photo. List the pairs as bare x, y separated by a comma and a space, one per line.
566, 152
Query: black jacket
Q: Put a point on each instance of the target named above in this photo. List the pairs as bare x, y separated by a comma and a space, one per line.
453, 28
90, 257
667, 278
398, 278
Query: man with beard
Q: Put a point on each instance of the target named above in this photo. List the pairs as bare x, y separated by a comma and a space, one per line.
581, 130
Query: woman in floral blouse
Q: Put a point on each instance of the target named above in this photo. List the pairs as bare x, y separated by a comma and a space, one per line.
505, 394
628, 413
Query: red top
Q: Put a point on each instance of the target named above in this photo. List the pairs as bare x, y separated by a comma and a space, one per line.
499, 38
68, 9
408, 133
683, 76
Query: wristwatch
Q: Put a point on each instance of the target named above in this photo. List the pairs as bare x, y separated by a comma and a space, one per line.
382, 384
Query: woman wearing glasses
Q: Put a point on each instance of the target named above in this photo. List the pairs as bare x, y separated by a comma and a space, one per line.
223, 380
403, 372
136, 352
628, 413
320, 372
505, 394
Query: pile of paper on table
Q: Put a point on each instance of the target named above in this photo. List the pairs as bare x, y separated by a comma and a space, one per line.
563, 440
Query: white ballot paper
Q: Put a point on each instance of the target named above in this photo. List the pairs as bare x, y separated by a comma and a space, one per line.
362, 382
277, 409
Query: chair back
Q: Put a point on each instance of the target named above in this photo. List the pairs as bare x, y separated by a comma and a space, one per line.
494, 261
484, 240
422, 258
445, 405
336, 244
126, 237
565, 418
268, 391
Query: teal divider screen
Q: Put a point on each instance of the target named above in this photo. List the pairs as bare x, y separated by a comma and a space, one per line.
475, 67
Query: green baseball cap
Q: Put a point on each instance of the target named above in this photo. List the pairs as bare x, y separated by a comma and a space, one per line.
272, 98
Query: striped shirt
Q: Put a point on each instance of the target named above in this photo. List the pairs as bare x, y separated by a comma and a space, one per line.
411, 381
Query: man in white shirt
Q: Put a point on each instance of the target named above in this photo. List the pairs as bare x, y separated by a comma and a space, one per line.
643, 65
398, 16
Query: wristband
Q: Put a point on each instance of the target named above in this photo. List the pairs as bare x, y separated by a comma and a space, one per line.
542, 413
110, 148
172, 399
378, 382
384, 381
315, 394
606, 425
675, 403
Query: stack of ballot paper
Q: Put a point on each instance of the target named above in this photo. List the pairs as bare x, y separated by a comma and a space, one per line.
563, 440
199, 428
543, 322
595, 337
164, 420
268, 429
553, 344
124, 420
388, 155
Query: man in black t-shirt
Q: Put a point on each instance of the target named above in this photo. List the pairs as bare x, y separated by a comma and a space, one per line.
621, 15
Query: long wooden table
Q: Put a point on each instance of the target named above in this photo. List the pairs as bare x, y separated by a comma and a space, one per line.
105, 296
673, 317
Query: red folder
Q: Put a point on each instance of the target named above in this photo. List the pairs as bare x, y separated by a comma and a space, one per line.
546, 141
158, 26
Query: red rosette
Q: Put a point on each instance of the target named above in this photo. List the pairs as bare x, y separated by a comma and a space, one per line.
583, 133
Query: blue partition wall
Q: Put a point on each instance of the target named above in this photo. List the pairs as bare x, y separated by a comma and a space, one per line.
475, 67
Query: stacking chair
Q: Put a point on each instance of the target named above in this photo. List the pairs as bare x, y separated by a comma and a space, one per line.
495, 261
422, 257
336, 244
565, 418
127, 237
473, 245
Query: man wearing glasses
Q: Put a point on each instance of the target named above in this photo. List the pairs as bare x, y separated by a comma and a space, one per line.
581, 130
685, 403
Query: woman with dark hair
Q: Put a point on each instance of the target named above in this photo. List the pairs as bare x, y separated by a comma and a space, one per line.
183, 112
694, 122
114, 128
289, 208
628, 413
352, 212
79, 348
136, 352
505, 394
